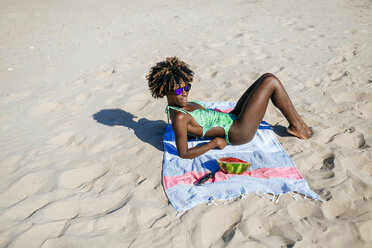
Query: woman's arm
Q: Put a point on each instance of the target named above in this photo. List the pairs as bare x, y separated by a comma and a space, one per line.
180, 130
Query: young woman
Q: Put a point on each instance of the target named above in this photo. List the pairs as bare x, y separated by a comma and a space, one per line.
172, 78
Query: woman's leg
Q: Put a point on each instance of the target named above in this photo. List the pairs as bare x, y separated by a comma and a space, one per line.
255, 101
239, 105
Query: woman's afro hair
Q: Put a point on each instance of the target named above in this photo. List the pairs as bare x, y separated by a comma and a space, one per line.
166, 74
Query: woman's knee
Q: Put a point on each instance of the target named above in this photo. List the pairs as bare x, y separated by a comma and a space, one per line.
267, 75
271, 79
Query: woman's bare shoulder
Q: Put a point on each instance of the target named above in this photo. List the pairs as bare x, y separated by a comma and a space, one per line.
178, 116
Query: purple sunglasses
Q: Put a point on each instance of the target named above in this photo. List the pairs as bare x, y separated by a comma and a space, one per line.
179, 91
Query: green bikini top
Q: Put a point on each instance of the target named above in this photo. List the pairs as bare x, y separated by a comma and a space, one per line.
207, 118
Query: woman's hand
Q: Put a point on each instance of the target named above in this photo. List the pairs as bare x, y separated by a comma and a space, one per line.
220, 142
199, 150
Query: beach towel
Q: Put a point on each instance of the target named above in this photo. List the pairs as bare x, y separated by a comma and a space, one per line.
272, 171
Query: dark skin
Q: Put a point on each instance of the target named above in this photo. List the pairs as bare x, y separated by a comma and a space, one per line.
250, 110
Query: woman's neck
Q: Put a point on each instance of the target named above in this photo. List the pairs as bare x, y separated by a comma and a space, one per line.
173, 104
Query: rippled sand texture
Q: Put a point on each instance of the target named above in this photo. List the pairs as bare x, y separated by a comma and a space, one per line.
80, 135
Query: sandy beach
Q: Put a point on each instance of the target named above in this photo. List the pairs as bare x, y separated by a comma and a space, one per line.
81, 137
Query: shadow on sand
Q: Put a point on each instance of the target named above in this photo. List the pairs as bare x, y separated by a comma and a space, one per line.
280, 130
148, 131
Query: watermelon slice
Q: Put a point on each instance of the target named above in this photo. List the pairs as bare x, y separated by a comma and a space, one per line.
230, 165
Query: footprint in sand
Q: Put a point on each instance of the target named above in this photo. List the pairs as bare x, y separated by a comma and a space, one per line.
325, 194
328, 163
349, 138
327, 167
325, 176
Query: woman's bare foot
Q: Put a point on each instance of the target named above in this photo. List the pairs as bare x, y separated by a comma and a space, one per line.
302, 132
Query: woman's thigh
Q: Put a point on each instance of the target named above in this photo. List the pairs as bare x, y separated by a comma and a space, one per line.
252, 111
239, 105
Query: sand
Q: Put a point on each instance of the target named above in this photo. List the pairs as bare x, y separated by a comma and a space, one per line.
80, 134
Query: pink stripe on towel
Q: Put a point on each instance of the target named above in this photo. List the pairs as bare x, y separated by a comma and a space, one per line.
192, 177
